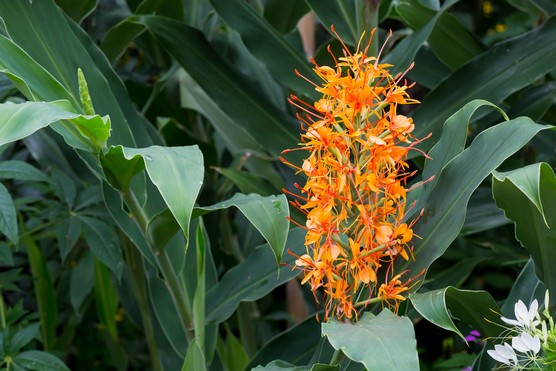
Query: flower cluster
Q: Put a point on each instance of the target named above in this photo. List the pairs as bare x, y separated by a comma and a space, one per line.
355, 195
533, 339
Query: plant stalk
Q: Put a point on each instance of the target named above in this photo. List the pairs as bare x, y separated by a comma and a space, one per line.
177, 291
139, 288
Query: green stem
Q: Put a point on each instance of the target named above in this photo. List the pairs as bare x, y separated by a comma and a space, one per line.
2, 312
367, 302
136, 264
177, 291
246, 313
337, 357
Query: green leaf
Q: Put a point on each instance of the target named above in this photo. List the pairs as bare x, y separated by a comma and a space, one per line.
68, 231
268, 214
20, 170
284, 15
280, 365
275, 52
233, 355
23, 337
8, 218
527, 197
81, 281
38, 24
106, 299
177, 173
252, 279
44, 292
444, 210
194, 360
40, 361
200, 291
113, 203
77, 10
451, 144
6, 256
296, 344
449, 40
477, 309
166, 313
405, 51
247, 182
228, 90
104, 244
509, 66
384, 342
88, 133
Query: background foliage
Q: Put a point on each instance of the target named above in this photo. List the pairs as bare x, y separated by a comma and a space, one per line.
141, 206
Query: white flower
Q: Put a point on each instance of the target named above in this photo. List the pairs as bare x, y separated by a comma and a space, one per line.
524, 318
525, 343
504, 354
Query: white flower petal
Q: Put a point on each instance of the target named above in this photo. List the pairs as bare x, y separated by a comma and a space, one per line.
519, 344
536, 344
533, 309
521, 312
512, 322
494, 354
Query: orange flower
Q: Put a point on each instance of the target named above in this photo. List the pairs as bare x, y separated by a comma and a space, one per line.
355, 195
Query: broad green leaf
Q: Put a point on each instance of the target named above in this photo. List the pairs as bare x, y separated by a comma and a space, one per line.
20, 170
349, 18
451, 144
177, 173
450, 40
8, 218
81, 281
23, 337
65, 188
428, 71
247, 182
268, 214
404, 53
39, 361
103, 242
194, 359
200, 291
508, 66
455, 275
527, 197
383, 342
6, 256
232, 353
284, 15
77, 10
477, 309
193, 52
166, 313
105, 298
121, 35
296, 344
44, 292
37, 27
482, 213
114, 206
527, 288
68, 231
88, 133
275, 52
238, 140
236, 137
279, 365
534, 101
444, 209
252, 279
